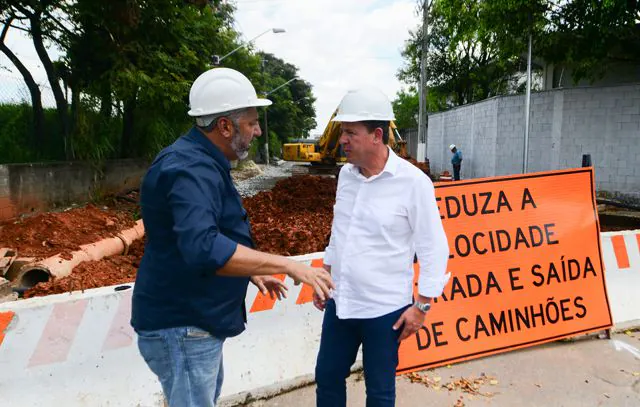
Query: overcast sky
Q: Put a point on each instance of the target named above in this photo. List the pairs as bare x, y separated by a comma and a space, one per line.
336, 44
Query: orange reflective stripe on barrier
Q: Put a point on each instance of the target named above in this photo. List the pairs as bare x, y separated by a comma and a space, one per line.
5, 320
526, 268
265, 302
620, 250
306, 293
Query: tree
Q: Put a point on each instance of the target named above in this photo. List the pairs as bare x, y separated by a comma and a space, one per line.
465, 63
592, 36
40, 19
292, 114
129, 65
405, 107
477, 47
34, 90
143, 55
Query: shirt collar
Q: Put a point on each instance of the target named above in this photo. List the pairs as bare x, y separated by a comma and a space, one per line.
392, 162
390, 167
197, 136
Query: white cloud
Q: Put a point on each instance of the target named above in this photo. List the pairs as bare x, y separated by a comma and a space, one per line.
337, 44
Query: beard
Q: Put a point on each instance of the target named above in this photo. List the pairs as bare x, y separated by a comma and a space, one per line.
239, 146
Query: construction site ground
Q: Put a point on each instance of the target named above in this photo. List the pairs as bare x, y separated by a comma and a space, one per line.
582, 372
290, 215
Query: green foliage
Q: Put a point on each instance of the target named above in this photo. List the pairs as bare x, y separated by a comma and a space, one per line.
14, 125
465, 63
129, 67
590, 37
477, 47
254, 150
17, 141
292, 114
405, 107
275, 145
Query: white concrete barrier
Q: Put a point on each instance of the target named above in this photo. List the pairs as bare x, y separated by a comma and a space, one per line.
79, 349
621, 258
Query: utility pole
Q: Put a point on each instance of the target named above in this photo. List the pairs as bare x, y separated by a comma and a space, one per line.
527, 108
423, 118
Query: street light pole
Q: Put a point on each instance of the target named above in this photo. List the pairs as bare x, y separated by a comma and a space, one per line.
274, 30
266, 120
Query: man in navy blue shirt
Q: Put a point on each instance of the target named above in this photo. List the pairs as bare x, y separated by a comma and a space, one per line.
192, 281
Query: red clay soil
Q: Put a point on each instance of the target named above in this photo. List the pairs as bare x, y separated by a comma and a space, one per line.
294, 217
50, 233
112, 270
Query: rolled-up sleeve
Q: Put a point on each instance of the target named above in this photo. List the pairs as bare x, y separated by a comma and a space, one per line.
329, 253
430, 240
195, 201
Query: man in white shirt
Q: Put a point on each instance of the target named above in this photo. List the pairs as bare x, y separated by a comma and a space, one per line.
385, 212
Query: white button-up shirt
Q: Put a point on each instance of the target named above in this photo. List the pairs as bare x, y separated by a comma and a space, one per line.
378, 224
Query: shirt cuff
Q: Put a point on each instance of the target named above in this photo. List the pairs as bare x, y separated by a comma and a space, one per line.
432, 287
222, 250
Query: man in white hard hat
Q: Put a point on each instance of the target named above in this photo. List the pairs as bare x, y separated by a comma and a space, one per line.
385, 212
190, 288
456, 161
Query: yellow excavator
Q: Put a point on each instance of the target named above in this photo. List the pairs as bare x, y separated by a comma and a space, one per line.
326, 155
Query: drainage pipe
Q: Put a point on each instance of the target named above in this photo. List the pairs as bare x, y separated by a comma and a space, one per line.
60, 265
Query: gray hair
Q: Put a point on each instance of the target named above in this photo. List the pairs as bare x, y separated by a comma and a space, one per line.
209, 122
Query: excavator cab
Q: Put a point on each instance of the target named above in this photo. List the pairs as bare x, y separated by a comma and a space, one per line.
326, 155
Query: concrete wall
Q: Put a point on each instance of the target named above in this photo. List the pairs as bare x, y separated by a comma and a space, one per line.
565, 123
26, 188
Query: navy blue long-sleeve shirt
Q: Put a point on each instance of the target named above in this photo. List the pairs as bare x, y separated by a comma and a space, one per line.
194, 219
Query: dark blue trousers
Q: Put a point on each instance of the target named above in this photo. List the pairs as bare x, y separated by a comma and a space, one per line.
456, 172
339, 345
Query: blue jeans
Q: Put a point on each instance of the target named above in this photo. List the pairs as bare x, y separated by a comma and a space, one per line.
188, 363
339, 345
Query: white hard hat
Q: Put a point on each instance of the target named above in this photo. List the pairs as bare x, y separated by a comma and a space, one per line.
364, 104
452, 146
220, 90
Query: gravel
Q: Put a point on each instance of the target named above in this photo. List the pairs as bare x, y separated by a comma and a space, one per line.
271, 174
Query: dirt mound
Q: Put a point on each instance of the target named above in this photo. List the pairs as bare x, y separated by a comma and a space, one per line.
294, 217
50, 233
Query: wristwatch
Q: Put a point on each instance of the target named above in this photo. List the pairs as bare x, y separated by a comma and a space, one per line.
422, 306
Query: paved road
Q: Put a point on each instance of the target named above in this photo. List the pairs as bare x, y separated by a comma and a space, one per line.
583, 372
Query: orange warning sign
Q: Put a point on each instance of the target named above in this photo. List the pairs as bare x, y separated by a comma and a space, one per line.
525, 264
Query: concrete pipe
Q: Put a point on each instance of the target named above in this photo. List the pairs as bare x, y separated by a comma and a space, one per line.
60, 265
